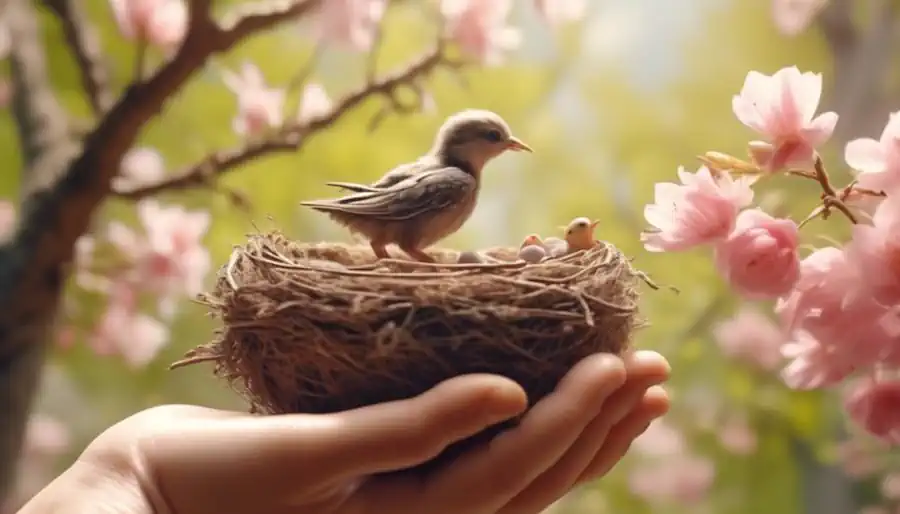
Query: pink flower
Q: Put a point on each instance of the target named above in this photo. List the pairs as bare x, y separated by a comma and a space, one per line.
124, 331
737, 436
480, 28
45, 437
660, 439
875, 406
874, 250
314, 103
169, 259
7, 219
140, 167
702, 209
751, 337
782, 108
794, 16
890, 486
877, 161
759, 258
837, 328
682, 479
813, 364
353, 23
259, 106
857, 459
556, 12
5, 39
158, 22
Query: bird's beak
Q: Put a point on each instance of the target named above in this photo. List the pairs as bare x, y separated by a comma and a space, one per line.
562, 227
516, 145
594, 224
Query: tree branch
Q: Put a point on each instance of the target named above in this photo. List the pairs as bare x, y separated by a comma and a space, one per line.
293, 135
83, 42
65, 192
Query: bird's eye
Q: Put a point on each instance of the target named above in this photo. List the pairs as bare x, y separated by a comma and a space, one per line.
494, 136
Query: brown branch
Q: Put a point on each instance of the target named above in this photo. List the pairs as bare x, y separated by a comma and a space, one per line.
65, 192
84, 43
293, 135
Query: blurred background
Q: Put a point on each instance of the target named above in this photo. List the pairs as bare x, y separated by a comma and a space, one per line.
612, 102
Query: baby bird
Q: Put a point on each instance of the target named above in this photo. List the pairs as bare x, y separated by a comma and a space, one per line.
418, 204
532, 240
580, 235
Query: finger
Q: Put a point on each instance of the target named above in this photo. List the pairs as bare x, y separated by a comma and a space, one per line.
491, 477
270, 455
644, 369
655, 404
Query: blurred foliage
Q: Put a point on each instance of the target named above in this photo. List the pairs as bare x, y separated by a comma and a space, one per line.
605, 170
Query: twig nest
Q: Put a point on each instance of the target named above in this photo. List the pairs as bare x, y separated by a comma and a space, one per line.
319, 328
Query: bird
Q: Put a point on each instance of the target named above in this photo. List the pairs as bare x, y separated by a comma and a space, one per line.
532, 240
418, 204
532, 254
469, 258
580, 235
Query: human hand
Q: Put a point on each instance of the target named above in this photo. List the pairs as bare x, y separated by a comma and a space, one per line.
194, 460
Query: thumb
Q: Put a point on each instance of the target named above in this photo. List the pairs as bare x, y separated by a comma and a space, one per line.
405, 433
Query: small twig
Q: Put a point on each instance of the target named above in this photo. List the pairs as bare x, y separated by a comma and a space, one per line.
82, 39
293, 135
140, 59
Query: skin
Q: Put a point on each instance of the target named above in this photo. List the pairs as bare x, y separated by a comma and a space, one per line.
418, 204
180, 459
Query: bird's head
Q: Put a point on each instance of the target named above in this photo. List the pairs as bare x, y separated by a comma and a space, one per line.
474, 137
531, 240
580, 230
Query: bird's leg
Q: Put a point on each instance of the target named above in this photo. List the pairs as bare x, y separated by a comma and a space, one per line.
417, 254
379, 250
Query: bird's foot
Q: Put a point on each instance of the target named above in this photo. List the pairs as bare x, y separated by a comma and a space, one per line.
380, 251
419, 255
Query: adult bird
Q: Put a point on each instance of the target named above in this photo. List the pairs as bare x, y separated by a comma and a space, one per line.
418, 204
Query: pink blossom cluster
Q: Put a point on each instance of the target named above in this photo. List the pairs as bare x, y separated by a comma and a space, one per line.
838, 305
667, 472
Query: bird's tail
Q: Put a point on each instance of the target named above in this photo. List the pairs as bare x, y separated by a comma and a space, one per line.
350, 186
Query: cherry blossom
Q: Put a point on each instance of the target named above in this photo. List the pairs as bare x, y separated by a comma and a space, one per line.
169, 258
683, 479
875, 251
7, 218
794, 16
857, 458
313, 103
737, 436
751, 337
702, 209
124, 331
890, 486
480, 28
813, 364
5, 39
140, 167
556, 12
259, 106
353, 23
875, 406
759, 259
660, 439
782, 108
878, 162
158, 22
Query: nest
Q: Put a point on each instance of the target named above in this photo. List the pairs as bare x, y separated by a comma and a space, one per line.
321, 328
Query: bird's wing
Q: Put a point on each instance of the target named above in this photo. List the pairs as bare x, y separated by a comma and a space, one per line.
404, 171
351, 186
424, 192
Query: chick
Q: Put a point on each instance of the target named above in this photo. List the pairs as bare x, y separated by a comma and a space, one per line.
532, 240
418, 204
580, 235
469, 258
555, 246
532, 253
